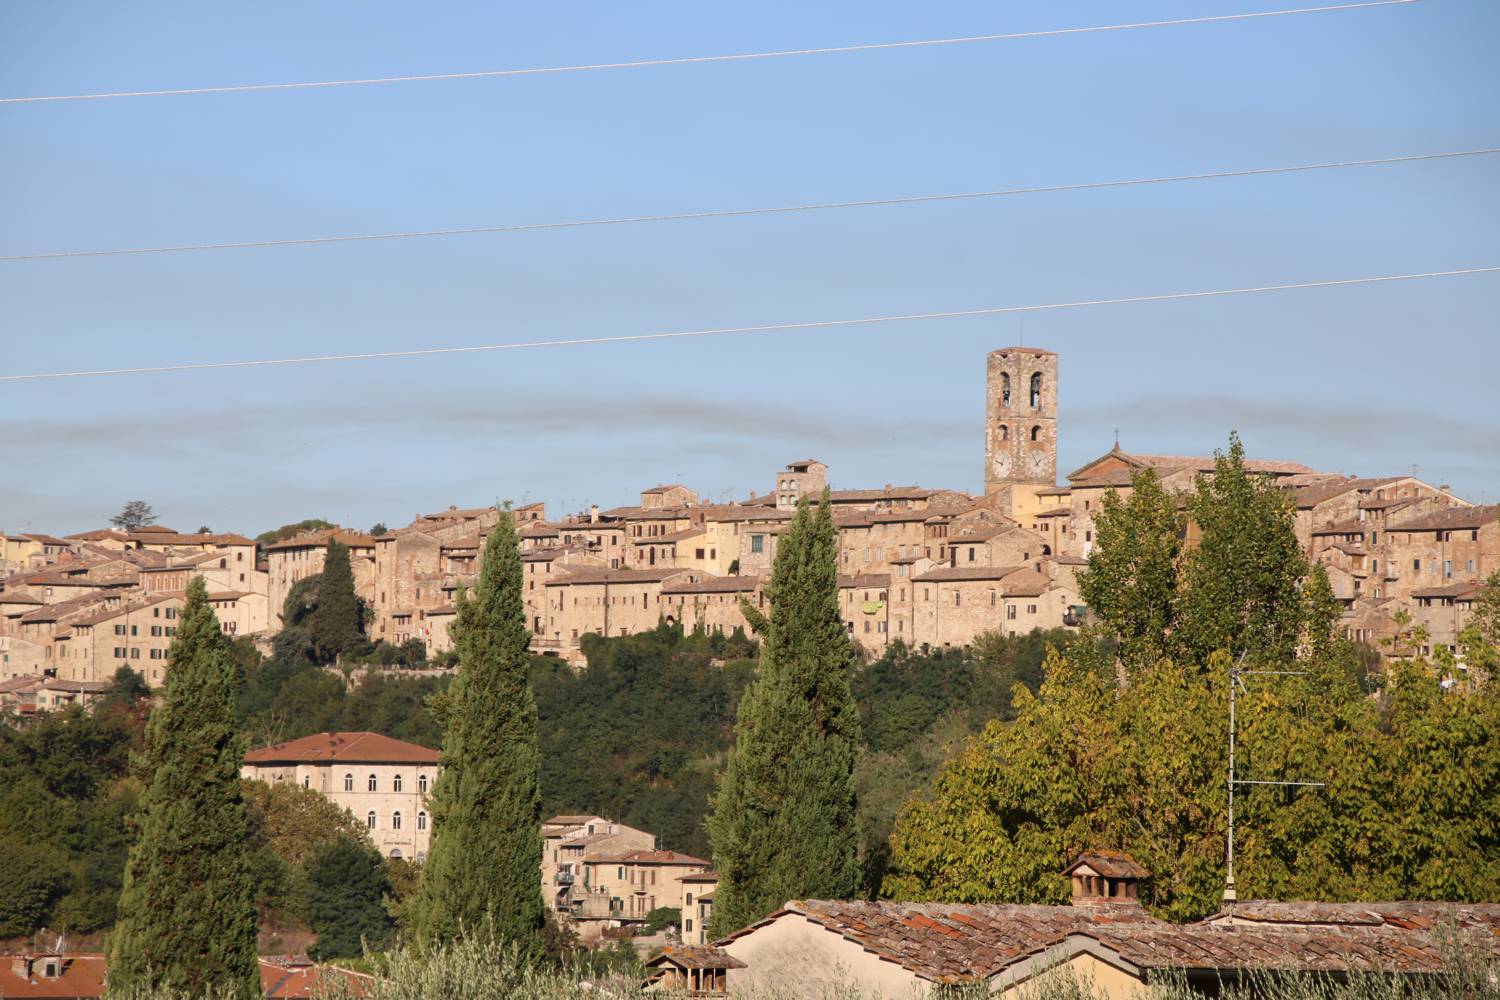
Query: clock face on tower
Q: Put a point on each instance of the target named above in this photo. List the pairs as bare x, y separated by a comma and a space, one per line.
1002, 465
1038, 463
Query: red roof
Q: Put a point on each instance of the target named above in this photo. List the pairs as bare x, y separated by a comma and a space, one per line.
79, 976
288, 979
350, 748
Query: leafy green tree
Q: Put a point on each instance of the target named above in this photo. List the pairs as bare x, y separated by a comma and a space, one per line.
784, 818
378, 529
1486, 618
186, 912
336, 621
34, 880
1241, 589
289, 530
486, 805
347, 888
134, 516
294, 821
1131, 579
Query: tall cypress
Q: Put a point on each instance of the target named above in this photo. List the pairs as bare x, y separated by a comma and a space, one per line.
335, 623
783, 823
187, 910
486, 805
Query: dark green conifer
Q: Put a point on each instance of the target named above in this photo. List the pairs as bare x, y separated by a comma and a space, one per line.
347, 884
335, 623
187, 910
486, 808
783, 824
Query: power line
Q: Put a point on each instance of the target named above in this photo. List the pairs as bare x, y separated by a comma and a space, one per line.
742, 212
689, 60
765, 328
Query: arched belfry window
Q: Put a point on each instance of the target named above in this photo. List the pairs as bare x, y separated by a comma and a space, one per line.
1004, 433
1005, 389
1036, 390
1036, 433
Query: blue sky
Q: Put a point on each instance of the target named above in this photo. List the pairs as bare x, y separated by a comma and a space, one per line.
1361, 380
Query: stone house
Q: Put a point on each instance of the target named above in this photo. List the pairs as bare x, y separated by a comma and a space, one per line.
302, 556
381, 782
136, 634
1443, 547
621, 887
805, 478
603, 601
711, 603
666, 496
568, 841
948, 606
1105, 937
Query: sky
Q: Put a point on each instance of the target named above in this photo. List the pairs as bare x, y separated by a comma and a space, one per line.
1368, 380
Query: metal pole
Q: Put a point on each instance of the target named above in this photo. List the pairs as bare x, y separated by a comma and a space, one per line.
1229, 892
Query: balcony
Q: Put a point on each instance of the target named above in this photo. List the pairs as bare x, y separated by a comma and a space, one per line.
563, 878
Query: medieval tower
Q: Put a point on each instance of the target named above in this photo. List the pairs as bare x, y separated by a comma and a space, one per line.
1020, 430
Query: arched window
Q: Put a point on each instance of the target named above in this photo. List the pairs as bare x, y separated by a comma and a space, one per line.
1036, 433
373, 783
395, 821
1036, 390
421, 856
1004, 433
396, 783
1004, 388
395, 854
421, 821
306, 781
422, 783
370, 819
348, 782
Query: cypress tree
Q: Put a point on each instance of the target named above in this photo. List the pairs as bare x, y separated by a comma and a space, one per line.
486, 805
187, 910
783, 825
347, 883
335, 623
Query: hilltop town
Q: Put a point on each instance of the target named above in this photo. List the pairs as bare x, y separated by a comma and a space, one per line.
927, 566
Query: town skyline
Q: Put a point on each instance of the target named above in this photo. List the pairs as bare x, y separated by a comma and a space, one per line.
1367, 379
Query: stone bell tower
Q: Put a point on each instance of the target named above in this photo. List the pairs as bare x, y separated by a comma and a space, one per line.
1020, 428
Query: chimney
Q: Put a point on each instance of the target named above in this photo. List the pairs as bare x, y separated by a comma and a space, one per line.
593, 513
1106, 878
1445, 488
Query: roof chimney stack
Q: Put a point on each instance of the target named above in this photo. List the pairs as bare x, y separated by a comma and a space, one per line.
1106, 878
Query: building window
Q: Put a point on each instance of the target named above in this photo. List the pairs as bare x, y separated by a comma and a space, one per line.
348, 782
757, 543
1010, 612
957, 599
1036, 432
422, 783
1416, 565
372, 783
395, 821
370, 820
306, 781
1036, 391
421, 821
1005, 389
1004, 433
396, 783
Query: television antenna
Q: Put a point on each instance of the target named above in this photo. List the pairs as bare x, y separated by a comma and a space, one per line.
1236, 673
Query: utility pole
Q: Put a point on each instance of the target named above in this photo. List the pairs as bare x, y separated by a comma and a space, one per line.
1236, 672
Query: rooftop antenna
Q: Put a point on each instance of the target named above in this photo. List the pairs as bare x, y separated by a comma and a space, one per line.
1236, 672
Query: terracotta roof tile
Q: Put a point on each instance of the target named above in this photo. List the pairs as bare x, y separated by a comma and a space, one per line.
351, 748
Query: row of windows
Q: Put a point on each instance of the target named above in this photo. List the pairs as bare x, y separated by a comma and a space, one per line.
1036, 432
372, 783
371, 821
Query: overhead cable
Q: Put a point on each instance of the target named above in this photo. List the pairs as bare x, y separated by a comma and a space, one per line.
693, 60
732, 213
731, 330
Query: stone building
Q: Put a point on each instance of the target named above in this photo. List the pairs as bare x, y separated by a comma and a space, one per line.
302, 556
625, 886
1020, 421
807, 478
381, 782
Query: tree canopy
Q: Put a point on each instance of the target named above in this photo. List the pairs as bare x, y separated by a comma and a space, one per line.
135, 515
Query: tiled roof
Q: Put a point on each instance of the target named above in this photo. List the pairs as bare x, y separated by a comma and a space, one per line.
1452, 590
176, 539
569, 819
18, 598
664, 487
1038, 352
1352, 526
296, 979
1307, 497
319, 539
1109, 863
591, 575
669, 537
81, 976
685, 956
351, 748
885, 493
647, 858
865, 580
713, 585
740, 512
1452, 518
946, 574
951, 943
